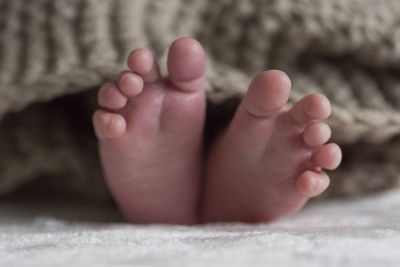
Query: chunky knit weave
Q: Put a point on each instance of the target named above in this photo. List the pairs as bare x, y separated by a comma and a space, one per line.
346, 49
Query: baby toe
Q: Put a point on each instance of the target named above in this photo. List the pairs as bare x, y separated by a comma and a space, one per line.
312, 183
108, 125
130, 83
327, 156
316, 134
142, 62
309, 108
110, 97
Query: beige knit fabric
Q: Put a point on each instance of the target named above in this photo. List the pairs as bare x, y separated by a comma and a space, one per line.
346, 49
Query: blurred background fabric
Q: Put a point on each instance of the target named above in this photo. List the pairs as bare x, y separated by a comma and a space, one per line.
54, 54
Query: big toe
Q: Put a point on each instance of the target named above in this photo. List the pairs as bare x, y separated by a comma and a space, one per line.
186, 64
267, 93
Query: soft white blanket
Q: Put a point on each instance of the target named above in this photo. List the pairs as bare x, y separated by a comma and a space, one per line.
353, 232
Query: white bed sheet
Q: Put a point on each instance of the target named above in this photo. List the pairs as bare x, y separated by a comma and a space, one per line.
341, 232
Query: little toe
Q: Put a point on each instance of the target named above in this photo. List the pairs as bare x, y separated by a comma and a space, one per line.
312, 183
267, 94
108, 125
143, 63
327, 156
186, 64
309, 108
316, 134
110, 97
130, 83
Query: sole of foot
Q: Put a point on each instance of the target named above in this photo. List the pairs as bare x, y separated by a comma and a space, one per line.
150, 135
269, 161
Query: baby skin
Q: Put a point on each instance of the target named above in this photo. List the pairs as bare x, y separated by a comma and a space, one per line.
265, 165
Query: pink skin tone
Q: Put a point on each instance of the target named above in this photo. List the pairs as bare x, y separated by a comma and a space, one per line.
150, 139
264, 166
268, 161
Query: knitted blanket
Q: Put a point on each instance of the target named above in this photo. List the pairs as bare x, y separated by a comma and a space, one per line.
55, 53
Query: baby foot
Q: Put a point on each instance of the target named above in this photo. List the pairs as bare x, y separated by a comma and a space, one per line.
150, 135
268, 162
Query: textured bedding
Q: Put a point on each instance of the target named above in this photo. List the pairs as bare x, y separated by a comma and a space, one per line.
55, 53
354, 232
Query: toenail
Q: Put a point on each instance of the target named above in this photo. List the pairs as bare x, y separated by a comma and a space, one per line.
317, 104
122, 78
107, 118
313, 184
113, 122
109, 91
325, 105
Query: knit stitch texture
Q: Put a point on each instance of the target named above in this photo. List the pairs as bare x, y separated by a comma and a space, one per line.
348, 50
